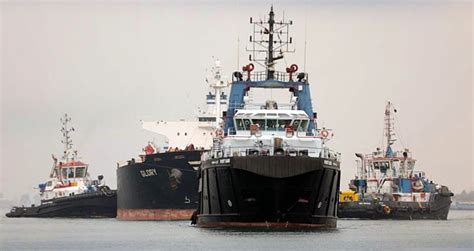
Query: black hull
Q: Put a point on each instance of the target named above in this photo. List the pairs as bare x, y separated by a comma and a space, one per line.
269, 192
88, 205
436, 209
163, 187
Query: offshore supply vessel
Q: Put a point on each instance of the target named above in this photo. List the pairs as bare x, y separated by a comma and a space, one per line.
161, 183
269, 166
387, 186
70, 192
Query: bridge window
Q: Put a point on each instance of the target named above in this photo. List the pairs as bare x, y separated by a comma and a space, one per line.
70, 173
240, 124
296, 124
303, 125
272, 125
300, 125
80, 172
247, 123
207, 119
283, 124
383, 166
260, 123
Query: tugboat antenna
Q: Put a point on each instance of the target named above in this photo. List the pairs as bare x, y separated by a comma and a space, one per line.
264, 41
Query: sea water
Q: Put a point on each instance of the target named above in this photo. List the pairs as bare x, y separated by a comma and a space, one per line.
84, 234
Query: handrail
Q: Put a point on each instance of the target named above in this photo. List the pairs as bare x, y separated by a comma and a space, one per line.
268, 150
262, 76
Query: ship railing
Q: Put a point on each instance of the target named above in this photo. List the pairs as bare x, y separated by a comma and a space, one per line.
260, 106
130, 161
277, 75
268, 150
381, 154
236, 106
299, 134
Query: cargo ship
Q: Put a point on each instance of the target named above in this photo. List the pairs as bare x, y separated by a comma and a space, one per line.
69, 191
270, 166
388, 186
161, 183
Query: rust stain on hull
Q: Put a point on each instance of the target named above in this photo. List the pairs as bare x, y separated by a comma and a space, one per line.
154, 214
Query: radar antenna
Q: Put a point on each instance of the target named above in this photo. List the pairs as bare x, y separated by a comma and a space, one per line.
264, 41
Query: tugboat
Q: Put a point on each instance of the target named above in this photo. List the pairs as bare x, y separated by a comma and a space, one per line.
161, 184
269, 166
70, 192
387, 186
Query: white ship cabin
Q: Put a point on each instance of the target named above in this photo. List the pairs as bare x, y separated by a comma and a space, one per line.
67, 179
179, 135
384, 173
399, 165
274, 132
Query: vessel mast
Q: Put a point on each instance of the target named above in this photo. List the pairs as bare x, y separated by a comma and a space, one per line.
218, 84
67, 141
389, 128
270, 44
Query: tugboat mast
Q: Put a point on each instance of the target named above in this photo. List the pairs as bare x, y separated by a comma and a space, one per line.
270, 63
67, 141
270, 45
389, 129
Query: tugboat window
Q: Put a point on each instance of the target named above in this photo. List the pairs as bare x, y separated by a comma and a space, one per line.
70, 173
303, 125
296, 124
283, 124
240, 124
271, 125
80, 172
260, 123
247, 123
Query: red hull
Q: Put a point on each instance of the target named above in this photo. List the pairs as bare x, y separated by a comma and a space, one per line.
154, 214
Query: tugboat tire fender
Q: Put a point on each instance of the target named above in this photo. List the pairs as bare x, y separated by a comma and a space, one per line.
386, 210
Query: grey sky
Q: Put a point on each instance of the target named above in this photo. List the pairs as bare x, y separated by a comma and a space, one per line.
110, 64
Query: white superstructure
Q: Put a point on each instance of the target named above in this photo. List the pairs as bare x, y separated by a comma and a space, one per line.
199, 132
272, 129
